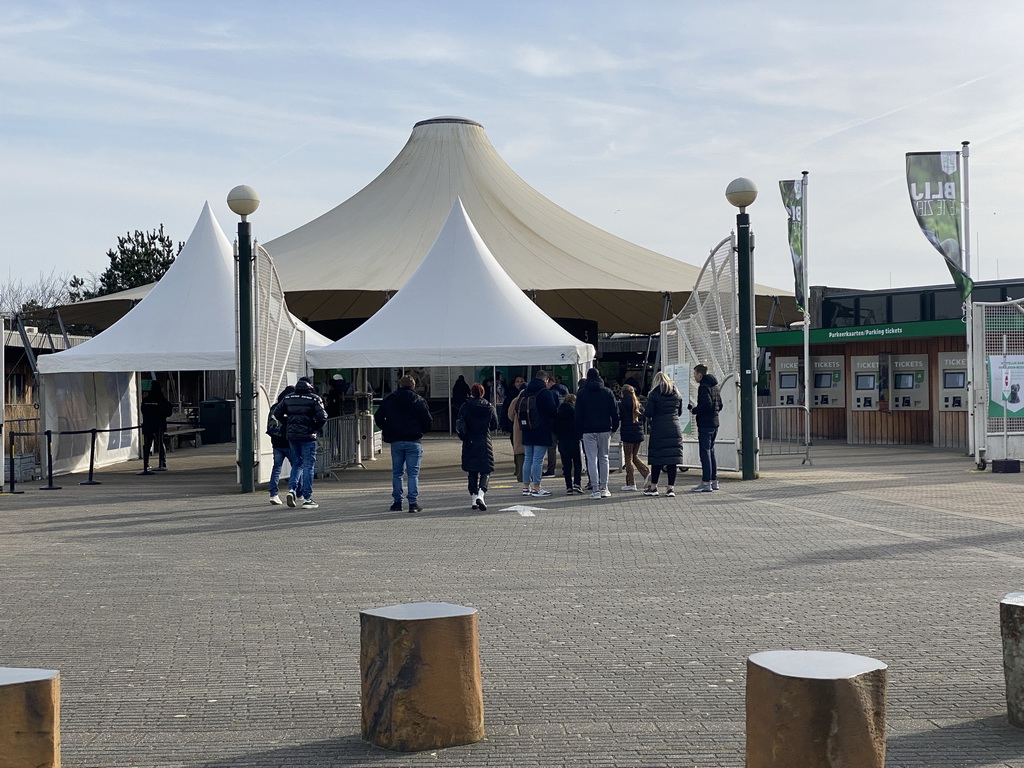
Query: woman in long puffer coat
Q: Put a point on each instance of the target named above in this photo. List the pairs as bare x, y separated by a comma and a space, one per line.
479, 418
665, 433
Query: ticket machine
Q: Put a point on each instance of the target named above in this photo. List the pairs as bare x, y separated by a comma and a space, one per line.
787, 385
828, 385
909, 388
952, 381
864, 383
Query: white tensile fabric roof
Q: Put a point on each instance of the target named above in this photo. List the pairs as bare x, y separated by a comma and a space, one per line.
186, 322
458, 308
344, 263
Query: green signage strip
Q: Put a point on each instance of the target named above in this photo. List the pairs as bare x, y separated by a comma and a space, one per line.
864, 333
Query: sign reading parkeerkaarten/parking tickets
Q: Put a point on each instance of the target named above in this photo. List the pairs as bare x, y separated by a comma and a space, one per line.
1006, 382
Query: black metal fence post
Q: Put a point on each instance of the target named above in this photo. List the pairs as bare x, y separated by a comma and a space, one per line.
11, 454
92, 461
49, 464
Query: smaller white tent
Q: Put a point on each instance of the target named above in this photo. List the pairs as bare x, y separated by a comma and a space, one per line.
459, 308
185, 323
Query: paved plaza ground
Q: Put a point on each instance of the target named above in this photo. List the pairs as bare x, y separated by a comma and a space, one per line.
196, 626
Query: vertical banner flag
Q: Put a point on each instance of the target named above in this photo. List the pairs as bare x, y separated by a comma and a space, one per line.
933, 179
792, 192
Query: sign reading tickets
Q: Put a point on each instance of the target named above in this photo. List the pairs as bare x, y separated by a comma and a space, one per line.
1006, 380
933, 180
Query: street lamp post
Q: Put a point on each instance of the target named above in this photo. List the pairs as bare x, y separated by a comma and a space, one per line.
244, 201
741, 193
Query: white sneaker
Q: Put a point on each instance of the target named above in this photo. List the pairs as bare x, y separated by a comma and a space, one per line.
310, 504
276, 501
714, 485
541, 492
481, 505
701, 488
595, 495
670, 493
606, 494
527, 491
628, 488
650, 492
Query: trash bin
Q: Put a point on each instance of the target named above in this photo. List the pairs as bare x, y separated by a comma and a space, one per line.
215, 416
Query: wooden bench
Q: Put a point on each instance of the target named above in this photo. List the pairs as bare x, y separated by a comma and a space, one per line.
181, 432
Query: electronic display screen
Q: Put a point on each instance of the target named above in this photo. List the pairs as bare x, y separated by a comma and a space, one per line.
788, 380
954, 379
865, 381
903, 381
822, 380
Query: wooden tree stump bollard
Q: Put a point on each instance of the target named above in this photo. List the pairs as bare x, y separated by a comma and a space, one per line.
29, 718
421, 686
1011, 627
815, 709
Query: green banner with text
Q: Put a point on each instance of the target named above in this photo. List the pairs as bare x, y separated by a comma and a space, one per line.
933, 180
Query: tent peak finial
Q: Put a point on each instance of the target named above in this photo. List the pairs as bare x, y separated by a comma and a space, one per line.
448, 119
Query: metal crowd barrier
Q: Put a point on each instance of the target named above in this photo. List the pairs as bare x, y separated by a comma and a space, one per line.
48, 434
781, 431
338, 445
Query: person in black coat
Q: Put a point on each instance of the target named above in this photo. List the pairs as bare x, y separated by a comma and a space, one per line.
403, 417
479, 418
705, 413
303, 415
155, 410
597, 416
537, 408
632, 435
460, 393
664, 434
569, 444
282, 449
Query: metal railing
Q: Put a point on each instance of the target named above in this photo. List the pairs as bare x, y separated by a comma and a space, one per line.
782, 431
338, 445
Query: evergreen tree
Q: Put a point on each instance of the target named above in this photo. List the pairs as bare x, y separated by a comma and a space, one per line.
139, 259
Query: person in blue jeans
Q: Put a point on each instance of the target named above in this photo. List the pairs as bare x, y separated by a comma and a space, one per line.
705, 413
282, 449
403, 418
303, 415
536, 413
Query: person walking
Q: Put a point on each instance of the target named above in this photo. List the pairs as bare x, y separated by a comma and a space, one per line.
705, 413
560, 391
597, 416
516, 436
632, 434
478, 418
460, 393
403, 418
156, 409
536, 412
569, 444
664, 434
303, 415
282, 448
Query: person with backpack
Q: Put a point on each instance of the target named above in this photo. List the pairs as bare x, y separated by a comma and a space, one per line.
282, 449
536, 412
705, 412
597, 416
477, 418
403, 417
303, 415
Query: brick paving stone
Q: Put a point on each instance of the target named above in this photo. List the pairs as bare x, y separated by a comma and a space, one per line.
195, 626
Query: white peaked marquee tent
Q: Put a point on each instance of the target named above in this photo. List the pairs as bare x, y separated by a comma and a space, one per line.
185, 323
459, 308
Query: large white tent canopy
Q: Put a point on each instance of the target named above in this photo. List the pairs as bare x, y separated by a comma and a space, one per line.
345, 264
459, 308
185, 323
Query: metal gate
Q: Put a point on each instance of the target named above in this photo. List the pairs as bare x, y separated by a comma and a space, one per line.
998, 387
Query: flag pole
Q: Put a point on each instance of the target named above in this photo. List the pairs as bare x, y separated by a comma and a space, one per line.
808, 374
972, 438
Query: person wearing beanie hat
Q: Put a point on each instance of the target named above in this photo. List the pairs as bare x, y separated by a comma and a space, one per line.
303, 415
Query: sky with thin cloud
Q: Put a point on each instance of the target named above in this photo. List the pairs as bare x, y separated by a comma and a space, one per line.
118, 115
